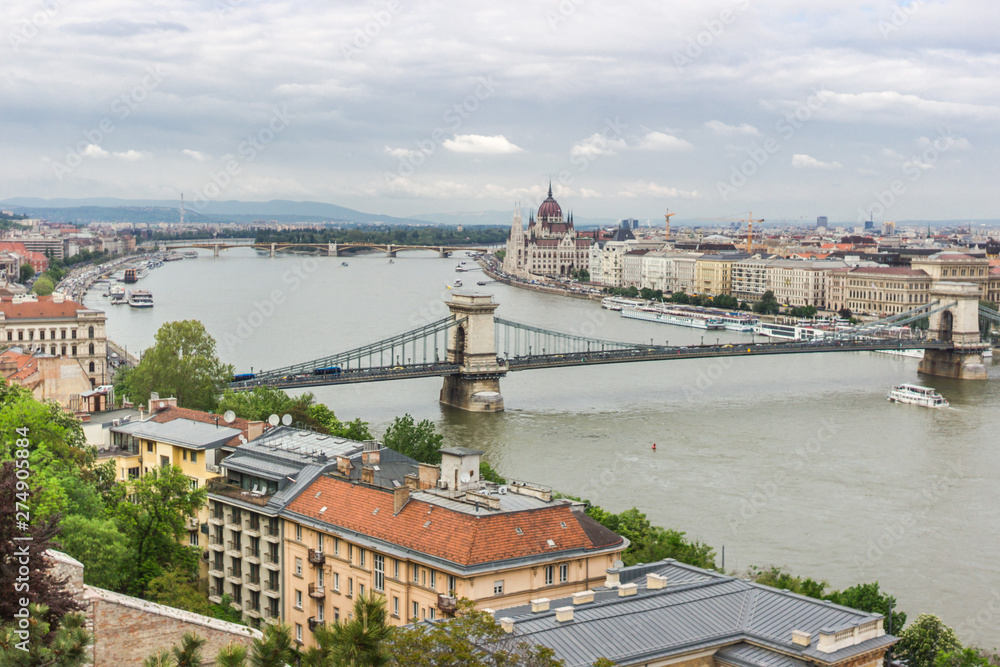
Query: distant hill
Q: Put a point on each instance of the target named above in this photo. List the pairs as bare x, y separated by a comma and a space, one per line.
501, 219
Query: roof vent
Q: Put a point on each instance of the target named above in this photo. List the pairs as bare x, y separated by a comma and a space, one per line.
427, 523
655, 581
583, 597
539, 605
551, 543
375, 511
627, 589
519, 531
322, 509
564, 614
801, 638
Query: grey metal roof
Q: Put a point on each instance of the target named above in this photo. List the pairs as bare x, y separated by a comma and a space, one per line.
461, 451
184, 432
748, 655
698, 609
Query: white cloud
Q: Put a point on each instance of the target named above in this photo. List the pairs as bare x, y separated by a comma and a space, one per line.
596, 144
919, 164
401, 153
658, 141
721, 128
131, 155
802, 161
651, 189
195, 155
477, 143
93, 150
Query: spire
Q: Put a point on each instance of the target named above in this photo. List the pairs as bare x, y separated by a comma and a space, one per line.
550, 188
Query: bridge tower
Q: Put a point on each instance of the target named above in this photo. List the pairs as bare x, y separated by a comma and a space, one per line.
390, 251
331, 250
471, 345
960, 325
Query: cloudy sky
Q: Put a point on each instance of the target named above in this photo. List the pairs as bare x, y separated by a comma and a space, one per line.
787, 108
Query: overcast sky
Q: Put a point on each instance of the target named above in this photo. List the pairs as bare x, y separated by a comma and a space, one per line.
788, 108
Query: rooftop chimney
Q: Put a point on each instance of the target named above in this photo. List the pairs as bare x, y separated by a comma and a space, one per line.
583, 597
541, 604
612, 580
254, 430
400, 496
801, 638
344, 466
655, 581
428, 475
507, 624
367, 475
627, 589
564, 614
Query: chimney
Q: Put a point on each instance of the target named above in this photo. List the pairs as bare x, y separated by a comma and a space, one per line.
564, 614
507, 624
429, 475
400, 496
410, 480
254, 430
612, 580
344, 466
801, 638
539, 605
367, 475
655, 581
583, 597
627, 589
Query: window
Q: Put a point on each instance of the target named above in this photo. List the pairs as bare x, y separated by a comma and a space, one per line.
184, 452
298, 532
336, 546
452, 585
90, 332
298, 567
164, 461
416, 610
193, 483
194, 457
93, 368
319, 613
20, 335
416, 574
361, 557
361, 589
498, 587
319, 543
320, 579
549, 574
563, 573
395, 569
379, 572
41, 335
336, 614
350, 553
193, 538
62, 334
336, 582
350, 587
434, 579
63, 350
74, 350
395, 606
73, 334
298, 599
298, 632
433, 613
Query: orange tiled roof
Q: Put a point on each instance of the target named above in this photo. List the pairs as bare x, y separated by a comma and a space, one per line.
44, 308
465, 539
171, 413
25, 365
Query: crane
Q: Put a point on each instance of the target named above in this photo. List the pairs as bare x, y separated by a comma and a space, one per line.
749, 220
668, 216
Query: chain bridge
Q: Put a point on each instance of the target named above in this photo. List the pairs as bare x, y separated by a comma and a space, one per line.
472, 349
328, 249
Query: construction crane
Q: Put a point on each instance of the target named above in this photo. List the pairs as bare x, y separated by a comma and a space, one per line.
749, 220
668, 216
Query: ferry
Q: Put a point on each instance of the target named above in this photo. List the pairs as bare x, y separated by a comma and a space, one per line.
914, 394
190, 254
789, 331
618, 302
140, 298
669, 316
738, 321
173, 257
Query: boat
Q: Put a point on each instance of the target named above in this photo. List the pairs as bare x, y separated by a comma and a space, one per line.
460, 269
914, 394
173, 257
140, 298
618, 302
142, 273
789, 331
988, 353
481, 282
190, 254
130, 276
914, 354
117, 294
681, 318
457, 283
343, 263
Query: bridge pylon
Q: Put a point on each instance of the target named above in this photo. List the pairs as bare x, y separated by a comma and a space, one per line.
959, 325
331, 250
390, 251
472, 345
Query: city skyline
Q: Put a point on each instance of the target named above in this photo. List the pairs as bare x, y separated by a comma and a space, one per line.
709, 110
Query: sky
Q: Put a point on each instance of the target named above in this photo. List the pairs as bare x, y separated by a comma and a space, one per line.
708, 109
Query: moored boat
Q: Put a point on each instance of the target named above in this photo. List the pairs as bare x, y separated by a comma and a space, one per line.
681, 318
619, 302
140, 298
915, 394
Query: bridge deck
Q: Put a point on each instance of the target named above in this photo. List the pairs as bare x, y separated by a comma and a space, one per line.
631, 355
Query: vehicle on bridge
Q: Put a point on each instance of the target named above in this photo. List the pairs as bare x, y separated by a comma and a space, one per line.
243, 377
328, 370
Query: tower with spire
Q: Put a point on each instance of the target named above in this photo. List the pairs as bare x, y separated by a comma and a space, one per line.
550, 247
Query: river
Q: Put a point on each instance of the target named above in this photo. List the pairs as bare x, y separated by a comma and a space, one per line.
792, 460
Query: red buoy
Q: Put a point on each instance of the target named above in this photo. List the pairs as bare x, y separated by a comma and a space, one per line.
654, 446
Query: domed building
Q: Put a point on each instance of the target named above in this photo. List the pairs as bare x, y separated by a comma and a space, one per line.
550, 247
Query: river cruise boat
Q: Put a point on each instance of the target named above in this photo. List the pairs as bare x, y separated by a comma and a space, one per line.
140, 298
914, 394
680, 318
173, 257
190, 254
619, 302
789, 331
738, 321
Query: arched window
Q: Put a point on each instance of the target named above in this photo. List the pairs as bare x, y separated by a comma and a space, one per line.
90, 333
91, 350
92, 367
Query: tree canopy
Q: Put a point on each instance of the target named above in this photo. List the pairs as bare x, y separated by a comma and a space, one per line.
262, 402
921, 642
419, 441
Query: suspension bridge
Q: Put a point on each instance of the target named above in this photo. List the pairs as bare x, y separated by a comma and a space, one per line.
472, 349
328, 249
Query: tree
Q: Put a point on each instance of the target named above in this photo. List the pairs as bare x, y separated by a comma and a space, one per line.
418, 441
845, 313
471, 639
920, 643
768, 304
776, 577
161, 658
43, 286
649, 543
275, 649
188, 654
262, 402
679, 297
966, 657
231, 655
27, 272
65, 647
360, 641
868, 597
151, 512
181, 363
99, 545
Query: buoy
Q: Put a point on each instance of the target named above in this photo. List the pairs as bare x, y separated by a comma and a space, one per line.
654, 446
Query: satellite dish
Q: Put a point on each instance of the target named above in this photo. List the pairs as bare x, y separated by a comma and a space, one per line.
243, 439
163, 404
273, 420
618, 563
229, 416
464, 479
286, 420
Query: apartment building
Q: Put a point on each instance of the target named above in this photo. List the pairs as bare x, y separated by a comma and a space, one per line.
881, 291
714, 272
632, 268
441, 535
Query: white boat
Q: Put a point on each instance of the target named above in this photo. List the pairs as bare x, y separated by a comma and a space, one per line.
914, 394
190, 254
458, 283
618, 302
117, 294
789, 331
140, 298
988, 353
173, 257
914, 354
678, 317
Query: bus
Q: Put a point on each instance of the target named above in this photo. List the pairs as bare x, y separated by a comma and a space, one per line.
243, 377
329, 370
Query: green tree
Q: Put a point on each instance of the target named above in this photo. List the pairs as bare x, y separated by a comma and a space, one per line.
43, 286
680, 297
360, 641
776, 577
868, 597
472, 639
418, 441
275, 649
966, 657
188, 654
232, 655
99, 545
921, 642
768, 304
27, 272
160, 658
46, 645
262, 402
151, 512
181, 363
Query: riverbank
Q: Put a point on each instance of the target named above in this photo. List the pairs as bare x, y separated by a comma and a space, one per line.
575, 291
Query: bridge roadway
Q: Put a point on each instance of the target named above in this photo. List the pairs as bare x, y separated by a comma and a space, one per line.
590, 358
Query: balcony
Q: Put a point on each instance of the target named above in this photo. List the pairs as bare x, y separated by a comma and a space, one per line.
252, 529
316, 557
447, 604
234, 522
271, 560
216, 543
216, 518
215, 594
221, 486
271, 616
317, 592
215, 569
313, 623
192, 523
253, 555
234, 575
271, 534
252, 608
272, 590
234, 550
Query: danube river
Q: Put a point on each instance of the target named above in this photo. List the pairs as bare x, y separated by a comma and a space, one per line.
792, 460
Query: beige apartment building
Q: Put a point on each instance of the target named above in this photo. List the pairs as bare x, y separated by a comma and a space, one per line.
714, 273
880, 291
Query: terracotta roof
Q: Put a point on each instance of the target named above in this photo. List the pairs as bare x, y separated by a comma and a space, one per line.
43, 308
23, 365
459, 537
171, 413
890, 271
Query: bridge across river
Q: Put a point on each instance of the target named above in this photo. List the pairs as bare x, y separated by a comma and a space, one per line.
329, 249
463, 349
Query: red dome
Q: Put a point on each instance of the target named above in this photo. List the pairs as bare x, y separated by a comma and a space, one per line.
549, 208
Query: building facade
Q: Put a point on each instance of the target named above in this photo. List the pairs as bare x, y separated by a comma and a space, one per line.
880, 291
550, 247
714, 273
